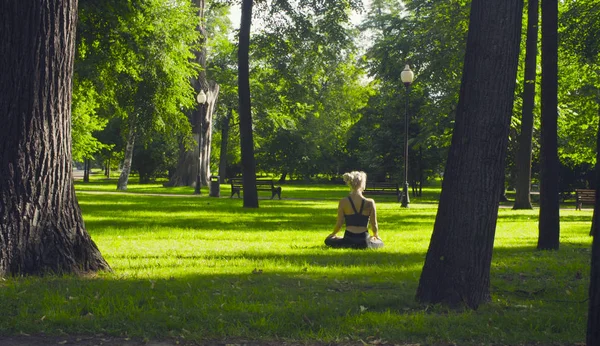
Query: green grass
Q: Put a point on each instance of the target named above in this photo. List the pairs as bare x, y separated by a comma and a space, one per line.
204, 268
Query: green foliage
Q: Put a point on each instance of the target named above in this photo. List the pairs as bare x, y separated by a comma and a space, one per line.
579, 75
430, 36
84, 122
135, 57
307, 86
156, 157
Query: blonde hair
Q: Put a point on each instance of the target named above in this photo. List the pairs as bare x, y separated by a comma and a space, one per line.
357, 180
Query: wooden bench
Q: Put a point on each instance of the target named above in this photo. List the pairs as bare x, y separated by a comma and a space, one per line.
261, 185
584, 196
377, 188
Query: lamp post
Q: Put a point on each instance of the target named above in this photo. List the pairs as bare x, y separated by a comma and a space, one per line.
201, 98
407, 78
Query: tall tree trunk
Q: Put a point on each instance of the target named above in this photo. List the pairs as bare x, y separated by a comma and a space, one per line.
593, 322
128, 158
207, 125
246, 138
107, 168
224, 142
523, 162
86, 170
549, 226
187, 165
42, 230
457, 265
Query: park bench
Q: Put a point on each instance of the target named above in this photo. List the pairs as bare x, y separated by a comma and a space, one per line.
383, 188
261, 185
584, 196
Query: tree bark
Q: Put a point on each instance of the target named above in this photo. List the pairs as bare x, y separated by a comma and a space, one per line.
107, 168
224, 142
246, 137
593, 322
124, 177
523, 162
86, 170
457, 265
42, 230
207, 125
187, 165
549, 225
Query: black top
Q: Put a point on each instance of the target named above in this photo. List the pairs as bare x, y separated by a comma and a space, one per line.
357, 219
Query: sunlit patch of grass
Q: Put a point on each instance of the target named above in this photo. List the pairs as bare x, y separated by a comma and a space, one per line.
204, 268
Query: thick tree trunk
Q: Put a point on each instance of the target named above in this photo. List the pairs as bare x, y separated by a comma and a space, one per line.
42, 230
128, 158
224, 141
549, 225
593, 323
207, 125
187, 165
457, 265
246, 137
523, 162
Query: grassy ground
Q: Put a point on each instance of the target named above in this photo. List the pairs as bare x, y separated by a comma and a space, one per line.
201, 268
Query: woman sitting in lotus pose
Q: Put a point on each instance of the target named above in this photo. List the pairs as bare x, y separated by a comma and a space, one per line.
357, 212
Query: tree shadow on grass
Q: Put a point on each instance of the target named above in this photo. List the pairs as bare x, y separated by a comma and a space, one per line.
329, 295
139, 213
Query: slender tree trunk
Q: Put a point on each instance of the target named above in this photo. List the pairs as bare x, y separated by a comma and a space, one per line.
42, 230
224, 142
107, 168
593, 323
421, 178
246, 137
549, 225
457, 265
86, 170
124, 177
523, 162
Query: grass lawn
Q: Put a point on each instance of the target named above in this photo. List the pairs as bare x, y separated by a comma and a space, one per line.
200, 268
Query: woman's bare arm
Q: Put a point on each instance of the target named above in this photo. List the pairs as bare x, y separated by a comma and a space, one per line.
340, 220
373, 220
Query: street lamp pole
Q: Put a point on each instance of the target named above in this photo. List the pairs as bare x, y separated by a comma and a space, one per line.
201, 98
407, 77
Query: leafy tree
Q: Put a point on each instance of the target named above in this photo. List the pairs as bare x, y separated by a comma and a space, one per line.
141, 66
222, 66
201, 116
457, 265
431, 37
42, 230
580, 81
309, 97
156, 157
85, 122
